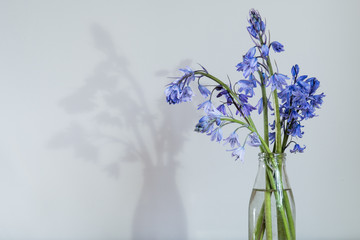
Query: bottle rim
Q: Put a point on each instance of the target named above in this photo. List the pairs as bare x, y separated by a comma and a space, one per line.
275, 155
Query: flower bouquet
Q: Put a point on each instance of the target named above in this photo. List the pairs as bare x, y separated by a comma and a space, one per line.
285, 102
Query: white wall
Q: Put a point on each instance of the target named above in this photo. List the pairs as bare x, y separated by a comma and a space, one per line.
90, 150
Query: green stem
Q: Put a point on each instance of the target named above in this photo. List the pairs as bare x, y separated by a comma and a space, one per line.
289, 214
277, 112
260, 224
276, 103
265, 109
278, 192
267, 200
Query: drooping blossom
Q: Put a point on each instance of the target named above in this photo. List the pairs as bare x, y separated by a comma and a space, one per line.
277, 47
297, 148
233, 140
239, 153
249, 65
278, 81
253, 140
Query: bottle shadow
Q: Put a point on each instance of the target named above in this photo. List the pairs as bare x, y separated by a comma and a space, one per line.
113, 112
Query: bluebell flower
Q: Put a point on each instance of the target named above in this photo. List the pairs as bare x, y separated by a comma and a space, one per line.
203, 125
173, 94
308, 112
317, 100
247, 109
217, 134
224, 93
277, 47
257, 25
239, 153
304, 86
264, 50
272, 126
207, 106
295, 130
179, 90
252, 32
277, 81
221, 108
272, 137
247, 86
187, 94
204, 91
233, 140
253, 140
206, 123
294, 115
259, 106
243, 98
188, 76
314, 85
295, 71
215, 115
297, 148
299, 101
249, 64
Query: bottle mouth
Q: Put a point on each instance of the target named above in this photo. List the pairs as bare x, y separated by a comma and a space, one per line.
272, 155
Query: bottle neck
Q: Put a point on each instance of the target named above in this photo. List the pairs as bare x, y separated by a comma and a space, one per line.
275, 164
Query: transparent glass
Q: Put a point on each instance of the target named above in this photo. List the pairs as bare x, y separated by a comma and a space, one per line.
272, 206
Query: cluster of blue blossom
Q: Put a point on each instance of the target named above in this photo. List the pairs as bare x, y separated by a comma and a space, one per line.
299, 103
298, 99
179, 90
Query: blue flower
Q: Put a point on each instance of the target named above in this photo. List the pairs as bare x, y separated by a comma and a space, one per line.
238, 153
216, 134
259, 106
222, 109
272, 137
224, 93
264, 50
247, 86
316, 100
253, 140
252, 32
179, 90
215, 115
299, 101
188, 76
272, 126
204, 124
277, 81
247, 109
187, 94
297, 148
295, 71
243, 98
314, 85
277, 47
251, 53
204, 91
233, 139
295, 130
257, 25
207, 106
173, 94
249, 64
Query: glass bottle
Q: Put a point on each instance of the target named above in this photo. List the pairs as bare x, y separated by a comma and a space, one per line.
272, 206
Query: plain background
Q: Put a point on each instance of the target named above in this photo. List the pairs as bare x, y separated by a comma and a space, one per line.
89, 149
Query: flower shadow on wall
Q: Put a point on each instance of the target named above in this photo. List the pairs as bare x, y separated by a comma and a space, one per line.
110, 113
